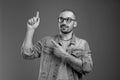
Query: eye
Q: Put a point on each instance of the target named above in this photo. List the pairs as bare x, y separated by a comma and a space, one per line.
60, 19
68, 19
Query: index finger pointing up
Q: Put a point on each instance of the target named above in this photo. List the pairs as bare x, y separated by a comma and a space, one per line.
37, 14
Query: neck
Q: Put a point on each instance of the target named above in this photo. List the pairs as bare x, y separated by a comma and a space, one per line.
66, 36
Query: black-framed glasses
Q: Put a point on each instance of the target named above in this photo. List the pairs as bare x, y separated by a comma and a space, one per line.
68, 20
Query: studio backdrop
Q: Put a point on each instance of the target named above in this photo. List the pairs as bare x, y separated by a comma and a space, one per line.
98, 23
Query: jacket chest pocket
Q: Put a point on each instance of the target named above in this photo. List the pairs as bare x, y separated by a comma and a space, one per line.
76, 52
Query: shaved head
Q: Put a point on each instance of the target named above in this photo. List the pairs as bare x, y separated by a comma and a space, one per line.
68, 12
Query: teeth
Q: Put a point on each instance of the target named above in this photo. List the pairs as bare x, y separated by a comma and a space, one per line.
64, 26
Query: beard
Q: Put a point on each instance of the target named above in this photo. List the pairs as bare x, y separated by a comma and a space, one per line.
66, 32
65, 29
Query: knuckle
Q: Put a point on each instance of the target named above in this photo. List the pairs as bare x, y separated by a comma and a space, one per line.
29, 20
32, 19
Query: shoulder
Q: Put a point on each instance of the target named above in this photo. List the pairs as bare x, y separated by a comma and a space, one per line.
81, 42
46, 41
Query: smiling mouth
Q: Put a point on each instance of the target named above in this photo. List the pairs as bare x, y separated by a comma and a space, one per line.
64, 26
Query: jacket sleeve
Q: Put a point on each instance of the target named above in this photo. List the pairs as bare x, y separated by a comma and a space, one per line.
34, 52
87, 59
83, 56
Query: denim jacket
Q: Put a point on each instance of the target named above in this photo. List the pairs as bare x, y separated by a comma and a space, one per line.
50, 63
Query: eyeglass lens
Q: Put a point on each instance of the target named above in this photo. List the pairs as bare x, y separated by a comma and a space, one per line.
68, 19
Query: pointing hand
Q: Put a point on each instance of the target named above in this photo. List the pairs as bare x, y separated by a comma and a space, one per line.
34, 22
59, 51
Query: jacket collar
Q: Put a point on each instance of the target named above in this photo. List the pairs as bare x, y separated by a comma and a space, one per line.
59, 40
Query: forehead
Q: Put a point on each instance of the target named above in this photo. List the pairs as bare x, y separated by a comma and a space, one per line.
66, 14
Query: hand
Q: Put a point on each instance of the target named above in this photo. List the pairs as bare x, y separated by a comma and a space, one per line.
34, 22
59, 51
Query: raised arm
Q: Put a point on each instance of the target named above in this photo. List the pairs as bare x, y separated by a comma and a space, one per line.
27, 47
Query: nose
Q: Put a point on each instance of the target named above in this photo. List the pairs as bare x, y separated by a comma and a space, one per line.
64, 22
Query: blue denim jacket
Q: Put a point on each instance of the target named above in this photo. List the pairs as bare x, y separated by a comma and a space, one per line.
50, 63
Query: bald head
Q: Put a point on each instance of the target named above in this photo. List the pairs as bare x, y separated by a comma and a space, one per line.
67, 13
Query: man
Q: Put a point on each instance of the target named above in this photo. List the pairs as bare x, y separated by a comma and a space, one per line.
63, 56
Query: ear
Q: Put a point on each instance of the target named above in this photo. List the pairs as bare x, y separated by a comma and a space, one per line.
75, 24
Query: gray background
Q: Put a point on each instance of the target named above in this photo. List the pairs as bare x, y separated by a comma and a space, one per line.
98, 22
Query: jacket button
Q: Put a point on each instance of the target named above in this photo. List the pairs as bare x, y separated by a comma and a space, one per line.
54, 75
56, 65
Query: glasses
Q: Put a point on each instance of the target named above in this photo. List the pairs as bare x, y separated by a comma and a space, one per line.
68, 20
